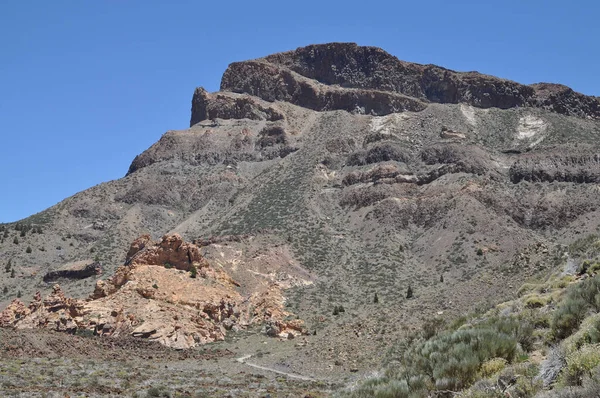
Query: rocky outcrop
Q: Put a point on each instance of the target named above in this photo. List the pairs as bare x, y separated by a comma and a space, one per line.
87, 271
576, 165
273, 83
170, 250
390, 174
446, 159
368, 79
386, 173
167, 292
213, 144
55, 312
206, 106
562, 99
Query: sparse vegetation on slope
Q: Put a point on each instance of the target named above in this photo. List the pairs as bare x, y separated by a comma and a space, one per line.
547, 339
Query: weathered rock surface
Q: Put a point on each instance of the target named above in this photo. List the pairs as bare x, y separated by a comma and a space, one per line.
350, 77
171, 250
55, 312
274, 83
206, 106
156, 296
578, 165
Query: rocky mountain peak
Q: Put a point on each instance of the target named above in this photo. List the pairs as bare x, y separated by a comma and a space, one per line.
369, 80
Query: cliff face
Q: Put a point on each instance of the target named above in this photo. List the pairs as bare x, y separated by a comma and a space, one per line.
369, 80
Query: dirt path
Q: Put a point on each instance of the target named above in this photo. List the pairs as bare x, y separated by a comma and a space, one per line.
292, 375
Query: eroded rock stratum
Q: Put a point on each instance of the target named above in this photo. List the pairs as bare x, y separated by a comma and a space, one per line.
369, 80
167, 292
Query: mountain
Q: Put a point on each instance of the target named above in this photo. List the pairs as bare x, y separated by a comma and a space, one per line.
341, 173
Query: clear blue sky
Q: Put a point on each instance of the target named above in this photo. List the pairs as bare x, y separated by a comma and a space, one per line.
87, 85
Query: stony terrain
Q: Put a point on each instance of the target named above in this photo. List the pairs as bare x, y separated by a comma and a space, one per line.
347, 177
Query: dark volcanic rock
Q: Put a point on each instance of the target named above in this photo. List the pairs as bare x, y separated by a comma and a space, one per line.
369, 79
207, 106
274, 83
578, 166
353, 66
561, 99
85, 272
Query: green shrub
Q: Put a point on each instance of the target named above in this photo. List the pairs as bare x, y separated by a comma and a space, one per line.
338, 309
158, 392
431, 327
593, 269
491, 367
453, 359
84, 332
588, 333
568, 317
562, 282
193, 271
583, 267
527, 288
581, 298
528, 384
535, 301
589, 245
579, 364
520, 328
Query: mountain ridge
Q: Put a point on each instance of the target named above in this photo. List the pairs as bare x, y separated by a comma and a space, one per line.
371, 68
361, 191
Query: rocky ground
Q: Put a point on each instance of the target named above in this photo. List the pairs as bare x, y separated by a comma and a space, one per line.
50, 364
344, 177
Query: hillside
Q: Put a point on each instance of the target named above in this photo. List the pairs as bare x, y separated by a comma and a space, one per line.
351, 175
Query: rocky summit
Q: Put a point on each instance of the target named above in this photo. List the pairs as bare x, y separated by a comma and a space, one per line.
333, 197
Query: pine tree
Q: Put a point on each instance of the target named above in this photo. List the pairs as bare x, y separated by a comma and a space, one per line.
375, 299
409, 292
5, 290
441, 278
28, 250
8, 265
16, 240
19, 294
12, 273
